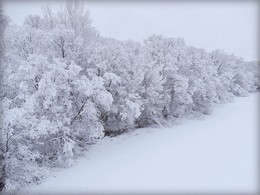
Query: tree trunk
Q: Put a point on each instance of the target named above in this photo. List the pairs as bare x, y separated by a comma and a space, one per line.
2, 173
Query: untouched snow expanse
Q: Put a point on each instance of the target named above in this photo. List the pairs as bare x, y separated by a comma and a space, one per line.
217, 154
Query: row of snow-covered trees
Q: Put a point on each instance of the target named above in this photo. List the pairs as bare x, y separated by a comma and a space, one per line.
64, 86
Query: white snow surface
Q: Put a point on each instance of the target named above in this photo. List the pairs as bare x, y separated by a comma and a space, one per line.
217, 154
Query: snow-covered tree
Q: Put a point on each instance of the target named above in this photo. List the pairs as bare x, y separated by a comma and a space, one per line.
111, 62
50, 93
73, 15
3, 24
63, 86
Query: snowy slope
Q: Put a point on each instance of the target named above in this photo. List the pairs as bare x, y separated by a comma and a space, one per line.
216, 154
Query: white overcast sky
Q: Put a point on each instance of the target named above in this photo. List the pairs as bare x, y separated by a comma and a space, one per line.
230, 25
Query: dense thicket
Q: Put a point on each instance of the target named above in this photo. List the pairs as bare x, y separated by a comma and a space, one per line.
64, 86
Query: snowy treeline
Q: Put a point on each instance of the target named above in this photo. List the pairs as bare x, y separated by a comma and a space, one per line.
63, 86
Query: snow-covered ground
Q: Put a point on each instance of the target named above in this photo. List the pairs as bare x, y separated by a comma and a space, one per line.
217, 154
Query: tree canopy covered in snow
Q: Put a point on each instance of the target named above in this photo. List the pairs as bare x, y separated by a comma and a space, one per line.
63, 86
